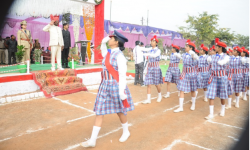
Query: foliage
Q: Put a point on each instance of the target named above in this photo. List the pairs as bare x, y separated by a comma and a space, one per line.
242, 40
98, 2
66, 18
37, 55
201, 28
20, 53
224, 35
73, 53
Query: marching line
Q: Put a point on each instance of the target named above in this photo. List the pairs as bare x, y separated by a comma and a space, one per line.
69, 121
28, 132
113, 131
224, 124
93, 93
67, 102
183, 104
180, 141
233, 138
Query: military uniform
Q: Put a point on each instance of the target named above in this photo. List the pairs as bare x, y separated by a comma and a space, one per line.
24, 38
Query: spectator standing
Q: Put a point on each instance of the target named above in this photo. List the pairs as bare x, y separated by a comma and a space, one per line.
12, 49
2, 48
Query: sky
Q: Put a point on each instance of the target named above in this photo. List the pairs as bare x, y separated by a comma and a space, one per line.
170, 14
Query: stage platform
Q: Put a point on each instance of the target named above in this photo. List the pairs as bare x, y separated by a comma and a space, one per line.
16, 83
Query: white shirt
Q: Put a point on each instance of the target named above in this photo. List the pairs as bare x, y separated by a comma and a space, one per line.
56, 37
138, 54
121, 62
154, 55
2, 44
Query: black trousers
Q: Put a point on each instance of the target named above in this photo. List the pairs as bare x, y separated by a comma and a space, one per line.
139, 73
11, 54
65, 55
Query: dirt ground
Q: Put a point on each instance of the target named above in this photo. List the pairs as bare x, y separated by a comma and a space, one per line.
61, 123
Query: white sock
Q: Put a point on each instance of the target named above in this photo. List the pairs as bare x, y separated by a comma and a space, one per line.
196, 93
223, 109
229, 101
168, 93
95, 133
244, 94
211, 108
159, 94
205, 92
237, 100
193, 100
149, 97
181, 102
125, 128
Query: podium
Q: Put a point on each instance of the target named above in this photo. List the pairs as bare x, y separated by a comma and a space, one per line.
83, 50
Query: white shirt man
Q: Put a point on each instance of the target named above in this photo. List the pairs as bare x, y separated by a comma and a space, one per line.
56, 42
138, 54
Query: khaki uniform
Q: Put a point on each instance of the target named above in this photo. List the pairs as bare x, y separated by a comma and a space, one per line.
23, 40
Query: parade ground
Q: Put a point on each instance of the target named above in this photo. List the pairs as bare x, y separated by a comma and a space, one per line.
62, 122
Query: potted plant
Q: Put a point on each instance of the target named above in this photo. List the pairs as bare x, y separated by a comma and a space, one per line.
72, 54
37, 56
19, 54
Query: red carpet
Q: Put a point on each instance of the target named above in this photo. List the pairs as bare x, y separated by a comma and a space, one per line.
58, 82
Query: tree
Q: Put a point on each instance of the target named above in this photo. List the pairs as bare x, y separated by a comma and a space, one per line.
242, 40
224, 35
201, 28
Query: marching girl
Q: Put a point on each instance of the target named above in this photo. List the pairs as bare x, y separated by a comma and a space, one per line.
245, 55
154, 74
212, 51
235, 76
113, 94
218, 79
197, 70
188, 79
173, 72
203, 70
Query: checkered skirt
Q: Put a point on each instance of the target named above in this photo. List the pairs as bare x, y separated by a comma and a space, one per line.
108, 100
246, 79
153, 76
189, 83
202, 80
218, 88
173, 75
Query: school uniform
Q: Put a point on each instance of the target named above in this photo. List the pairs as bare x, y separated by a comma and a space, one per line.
236, 75
173, 72
113, 95
154, 74
218, 80
203, 69
188, 79
246, 72
108, 100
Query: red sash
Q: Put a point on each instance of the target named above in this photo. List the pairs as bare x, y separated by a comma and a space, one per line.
115, 75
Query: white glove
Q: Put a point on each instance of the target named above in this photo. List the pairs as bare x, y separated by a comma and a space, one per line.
191, 52
146, 54
220, 62
122, 95
106, 39
209, 59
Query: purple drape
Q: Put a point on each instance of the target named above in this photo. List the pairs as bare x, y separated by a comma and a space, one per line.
12, 26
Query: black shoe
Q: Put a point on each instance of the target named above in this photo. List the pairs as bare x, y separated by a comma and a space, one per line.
67, 66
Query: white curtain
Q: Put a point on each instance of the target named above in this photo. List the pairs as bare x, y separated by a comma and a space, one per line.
76, 25
44, 8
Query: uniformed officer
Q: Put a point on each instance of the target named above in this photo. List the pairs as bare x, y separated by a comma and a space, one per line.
24, 38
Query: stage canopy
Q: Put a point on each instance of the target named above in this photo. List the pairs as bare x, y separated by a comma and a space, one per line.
143, 33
